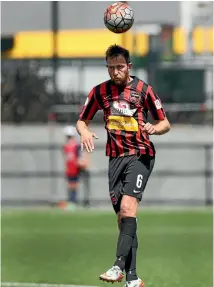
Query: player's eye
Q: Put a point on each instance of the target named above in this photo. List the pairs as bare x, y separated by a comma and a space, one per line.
119, 67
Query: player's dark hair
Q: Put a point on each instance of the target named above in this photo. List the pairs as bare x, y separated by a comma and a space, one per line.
115, 51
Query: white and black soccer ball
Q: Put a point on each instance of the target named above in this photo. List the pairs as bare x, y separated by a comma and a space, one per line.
119, 17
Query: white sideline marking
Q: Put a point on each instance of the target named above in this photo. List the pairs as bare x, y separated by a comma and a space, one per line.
24, 284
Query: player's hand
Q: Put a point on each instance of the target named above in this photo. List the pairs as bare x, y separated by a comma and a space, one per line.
149, 129
87, 141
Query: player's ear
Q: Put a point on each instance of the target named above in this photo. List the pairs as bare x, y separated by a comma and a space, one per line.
129, 66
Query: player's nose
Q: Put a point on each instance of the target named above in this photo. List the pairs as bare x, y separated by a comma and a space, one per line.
115, 72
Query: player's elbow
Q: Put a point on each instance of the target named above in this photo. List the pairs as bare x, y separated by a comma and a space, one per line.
162, 127
167, 125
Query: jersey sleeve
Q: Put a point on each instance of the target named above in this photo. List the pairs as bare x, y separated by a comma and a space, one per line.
154, 105
90, 108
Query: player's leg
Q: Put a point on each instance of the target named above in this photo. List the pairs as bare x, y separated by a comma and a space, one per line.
136, 183
128, 229
128, 211
116, 170
73, 184
127, 226
114, 274
130, 266
72, 192
135, 178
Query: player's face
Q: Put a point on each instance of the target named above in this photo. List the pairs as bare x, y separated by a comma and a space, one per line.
118, 70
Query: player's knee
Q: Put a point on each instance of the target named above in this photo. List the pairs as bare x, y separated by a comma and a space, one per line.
127, 211
128, 207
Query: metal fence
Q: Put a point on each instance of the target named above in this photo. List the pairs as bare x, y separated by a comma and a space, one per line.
33, 174
29, 88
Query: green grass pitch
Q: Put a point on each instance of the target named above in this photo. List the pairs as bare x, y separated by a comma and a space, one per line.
51, 246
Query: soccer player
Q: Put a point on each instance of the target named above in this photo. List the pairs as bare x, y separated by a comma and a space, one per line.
75, 161
125, 101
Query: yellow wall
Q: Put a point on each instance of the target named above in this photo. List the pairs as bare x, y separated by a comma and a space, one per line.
93, 43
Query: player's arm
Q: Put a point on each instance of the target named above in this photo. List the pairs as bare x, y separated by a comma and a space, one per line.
155, 107
89, 110
162, 127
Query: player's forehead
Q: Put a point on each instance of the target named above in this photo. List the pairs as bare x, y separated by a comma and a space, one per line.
116, 60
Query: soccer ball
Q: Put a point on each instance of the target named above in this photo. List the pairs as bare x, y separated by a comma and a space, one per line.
119, 17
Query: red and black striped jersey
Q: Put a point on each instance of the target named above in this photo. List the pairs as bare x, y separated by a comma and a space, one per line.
125, 112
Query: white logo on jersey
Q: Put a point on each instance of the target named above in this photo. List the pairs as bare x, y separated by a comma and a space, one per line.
158, 104
122, 108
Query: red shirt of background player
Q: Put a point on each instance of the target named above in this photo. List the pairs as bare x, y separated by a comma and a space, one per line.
72, 152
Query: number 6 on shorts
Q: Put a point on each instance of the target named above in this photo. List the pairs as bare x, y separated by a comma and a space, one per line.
139, 181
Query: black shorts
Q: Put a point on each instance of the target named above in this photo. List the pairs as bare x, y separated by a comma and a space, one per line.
128, 176
72, 179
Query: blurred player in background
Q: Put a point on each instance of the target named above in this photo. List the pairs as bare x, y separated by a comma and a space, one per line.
125, 100
75, 162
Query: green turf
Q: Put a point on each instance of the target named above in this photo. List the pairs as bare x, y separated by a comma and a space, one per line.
74, 248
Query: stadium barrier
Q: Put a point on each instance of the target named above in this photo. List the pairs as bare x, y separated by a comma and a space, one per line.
54, 173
